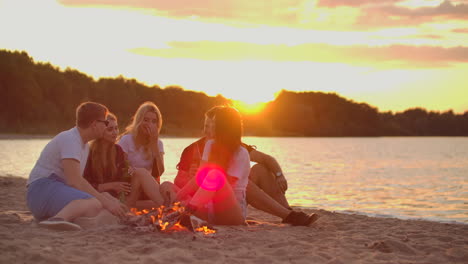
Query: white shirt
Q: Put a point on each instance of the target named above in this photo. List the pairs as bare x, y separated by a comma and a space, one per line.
239, 167
138, 157
66, 145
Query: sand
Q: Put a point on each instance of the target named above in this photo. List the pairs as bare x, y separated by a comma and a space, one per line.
334, 238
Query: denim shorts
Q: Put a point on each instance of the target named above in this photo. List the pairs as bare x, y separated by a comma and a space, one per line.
241, 199
47, 196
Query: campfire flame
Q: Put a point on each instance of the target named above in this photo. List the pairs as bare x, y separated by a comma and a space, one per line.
136, 212
205, 230
171, 219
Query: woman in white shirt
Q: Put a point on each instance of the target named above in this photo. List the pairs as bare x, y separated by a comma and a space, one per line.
223, 175
141, 140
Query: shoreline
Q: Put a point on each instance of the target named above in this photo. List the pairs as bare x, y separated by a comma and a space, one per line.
25, 136
334, 238
348, 212
10, 136
440, 221
383, 216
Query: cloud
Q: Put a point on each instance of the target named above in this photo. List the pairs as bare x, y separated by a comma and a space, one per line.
397, 55
239, 10
355, 3
429, 36
388, 16
361, 15
461, 30
446, 9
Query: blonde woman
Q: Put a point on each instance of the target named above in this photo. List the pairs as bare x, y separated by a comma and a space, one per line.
141, 142
107, 167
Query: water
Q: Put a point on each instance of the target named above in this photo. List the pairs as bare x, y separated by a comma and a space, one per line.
404, 177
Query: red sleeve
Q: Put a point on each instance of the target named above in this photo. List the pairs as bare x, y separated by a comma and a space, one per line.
186, 158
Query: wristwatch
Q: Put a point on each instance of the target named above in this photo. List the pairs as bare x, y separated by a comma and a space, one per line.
279, 174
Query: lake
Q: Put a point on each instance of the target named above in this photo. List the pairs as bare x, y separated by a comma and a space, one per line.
404, 177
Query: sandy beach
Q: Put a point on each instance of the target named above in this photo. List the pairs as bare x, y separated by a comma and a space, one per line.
334, 238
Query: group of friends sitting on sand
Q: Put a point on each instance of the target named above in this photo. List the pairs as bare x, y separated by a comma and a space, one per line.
92, 167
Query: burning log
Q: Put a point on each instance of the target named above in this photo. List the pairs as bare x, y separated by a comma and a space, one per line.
167, 219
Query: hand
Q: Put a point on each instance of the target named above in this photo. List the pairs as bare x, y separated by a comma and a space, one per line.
115, 207
152, 132
120, 187
282, 183
131, 170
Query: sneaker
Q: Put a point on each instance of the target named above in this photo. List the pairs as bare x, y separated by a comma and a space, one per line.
312, 218
58, 223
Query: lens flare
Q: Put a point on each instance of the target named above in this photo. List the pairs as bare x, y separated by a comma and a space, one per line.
211, 177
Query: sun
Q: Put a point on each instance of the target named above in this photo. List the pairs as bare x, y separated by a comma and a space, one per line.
248, 108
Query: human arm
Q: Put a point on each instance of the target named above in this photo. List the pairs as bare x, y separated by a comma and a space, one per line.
114, 186
157, 150
272, 165
238, 170
158, 154
181, 178
190, 160
71, 168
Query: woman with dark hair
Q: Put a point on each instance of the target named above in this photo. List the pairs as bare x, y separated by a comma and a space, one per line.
267, 185
222, 179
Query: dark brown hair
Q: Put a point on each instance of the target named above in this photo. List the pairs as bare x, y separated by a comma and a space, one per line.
212, 111
228, 133
103, 157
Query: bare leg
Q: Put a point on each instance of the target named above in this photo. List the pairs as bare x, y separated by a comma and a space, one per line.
262, 201
188, 190
134, 194
104, 218
266, 181
142, 181
169, 192
227, 209
78, 208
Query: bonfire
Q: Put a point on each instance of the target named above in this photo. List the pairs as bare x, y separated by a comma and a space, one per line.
167, 219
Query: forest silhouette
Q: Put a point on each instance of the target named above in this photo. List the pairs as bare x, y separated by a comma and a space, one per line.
39, 98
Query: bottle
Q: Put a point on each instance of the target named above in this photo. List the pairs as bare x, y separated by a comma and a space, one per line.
126, 177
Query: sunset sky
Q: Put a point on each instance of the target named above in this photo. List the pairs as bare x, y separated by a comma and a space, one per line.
392, 54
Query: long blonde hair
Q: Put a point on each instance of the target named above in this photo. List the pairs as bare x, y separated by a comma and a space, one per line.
103, 156
137, 119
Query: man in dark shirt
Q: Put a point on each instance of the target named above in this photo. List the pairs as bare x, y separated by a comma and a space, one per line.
267, 185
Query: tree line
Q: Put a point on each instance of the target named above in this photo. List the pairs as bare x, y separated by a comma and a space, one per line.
39, 98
